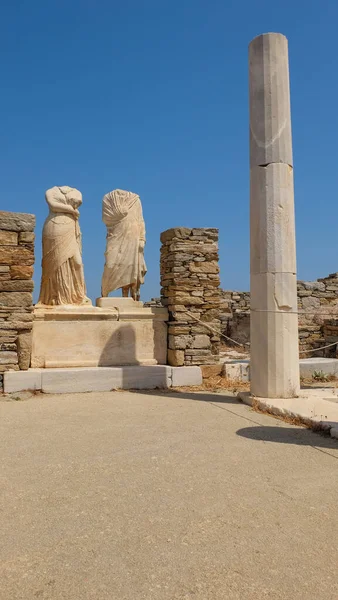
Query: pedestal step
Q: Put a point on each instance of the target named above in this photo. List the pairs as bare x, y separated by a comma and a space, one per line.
101, 379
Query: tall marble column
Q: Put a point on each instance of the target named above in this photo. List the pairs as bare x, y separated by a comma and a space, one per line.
274, 362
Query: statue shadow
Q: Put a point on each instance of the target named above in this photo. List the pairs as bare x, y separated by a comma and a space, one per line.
120, 350
288, 435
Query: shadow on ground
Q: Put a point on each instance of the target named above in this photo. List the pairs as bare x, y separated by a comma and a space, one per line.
198, 396
288, 435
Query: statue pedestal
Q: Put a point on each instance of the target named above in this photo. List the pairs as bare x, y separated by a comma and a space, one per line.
116, 334
118, 303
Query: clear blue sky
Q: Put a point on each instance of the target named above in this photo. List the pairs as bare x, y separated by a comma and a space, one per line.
151, 96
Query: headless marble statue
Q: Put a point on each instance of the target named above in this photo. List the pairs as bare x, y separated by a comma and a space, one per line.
124, 266
62, 279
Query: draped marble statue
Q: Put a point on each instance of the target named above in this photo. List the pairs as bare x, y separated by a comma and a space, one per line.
124, 266
62, 279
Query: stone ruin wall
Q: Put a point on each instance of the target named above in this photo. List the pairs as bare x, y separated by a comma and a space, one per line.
318, 314
16, 287
190, 290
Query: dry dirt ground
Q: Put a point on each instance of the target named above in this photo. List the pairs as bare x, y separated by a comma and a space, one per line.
166, 496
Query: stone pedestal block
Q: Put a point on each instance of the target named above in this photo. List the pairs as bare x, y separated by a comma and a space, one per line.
91, 337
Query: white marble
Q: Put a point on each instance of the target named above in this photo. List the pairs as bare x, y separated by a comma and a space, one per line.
62, 281
270, 121
125, 267
92, 336
18, 381
186, 376
272, 220
274, 367
101, 379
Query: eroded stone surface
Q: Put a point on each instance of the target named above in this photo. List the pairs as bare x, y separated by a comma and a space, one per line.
8, 238
16, 221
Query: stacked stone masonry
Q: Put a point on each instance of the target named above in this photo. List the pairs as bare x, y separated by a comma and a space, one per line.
190, 290
317, 320
16, 287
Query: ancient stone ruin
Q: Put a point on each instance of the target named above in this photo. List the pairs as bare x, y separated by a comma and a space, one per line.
190, 290
65, 344
317, 315
16, 286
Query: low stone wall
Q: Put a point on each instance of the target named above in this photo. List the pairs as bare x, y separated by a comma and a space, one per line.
317, 306
235, 315
16, 286
190, 290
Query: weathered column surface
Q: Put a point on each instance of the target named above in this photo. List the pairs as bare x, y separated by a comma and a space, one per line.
274, 320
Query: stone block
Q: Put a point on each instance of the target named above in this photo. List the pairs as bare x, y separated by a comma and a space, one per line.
99, 379
24, 349
8, 367
329, 366
310, 303
4, 269
8, 358
187, 300
21, 272
17, 285
175, 357
12, 299
201, 341
178, 329
7, 336
211, 370
8, 346
146, 377
118, 303
204, 267
186, 376
176, 232
76, 380
20, 381
270, 120
237, 371
9, 326
16, 255
26, 237
90, 337
12, 221
179, 342
272, 224
313, 285
8, 238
